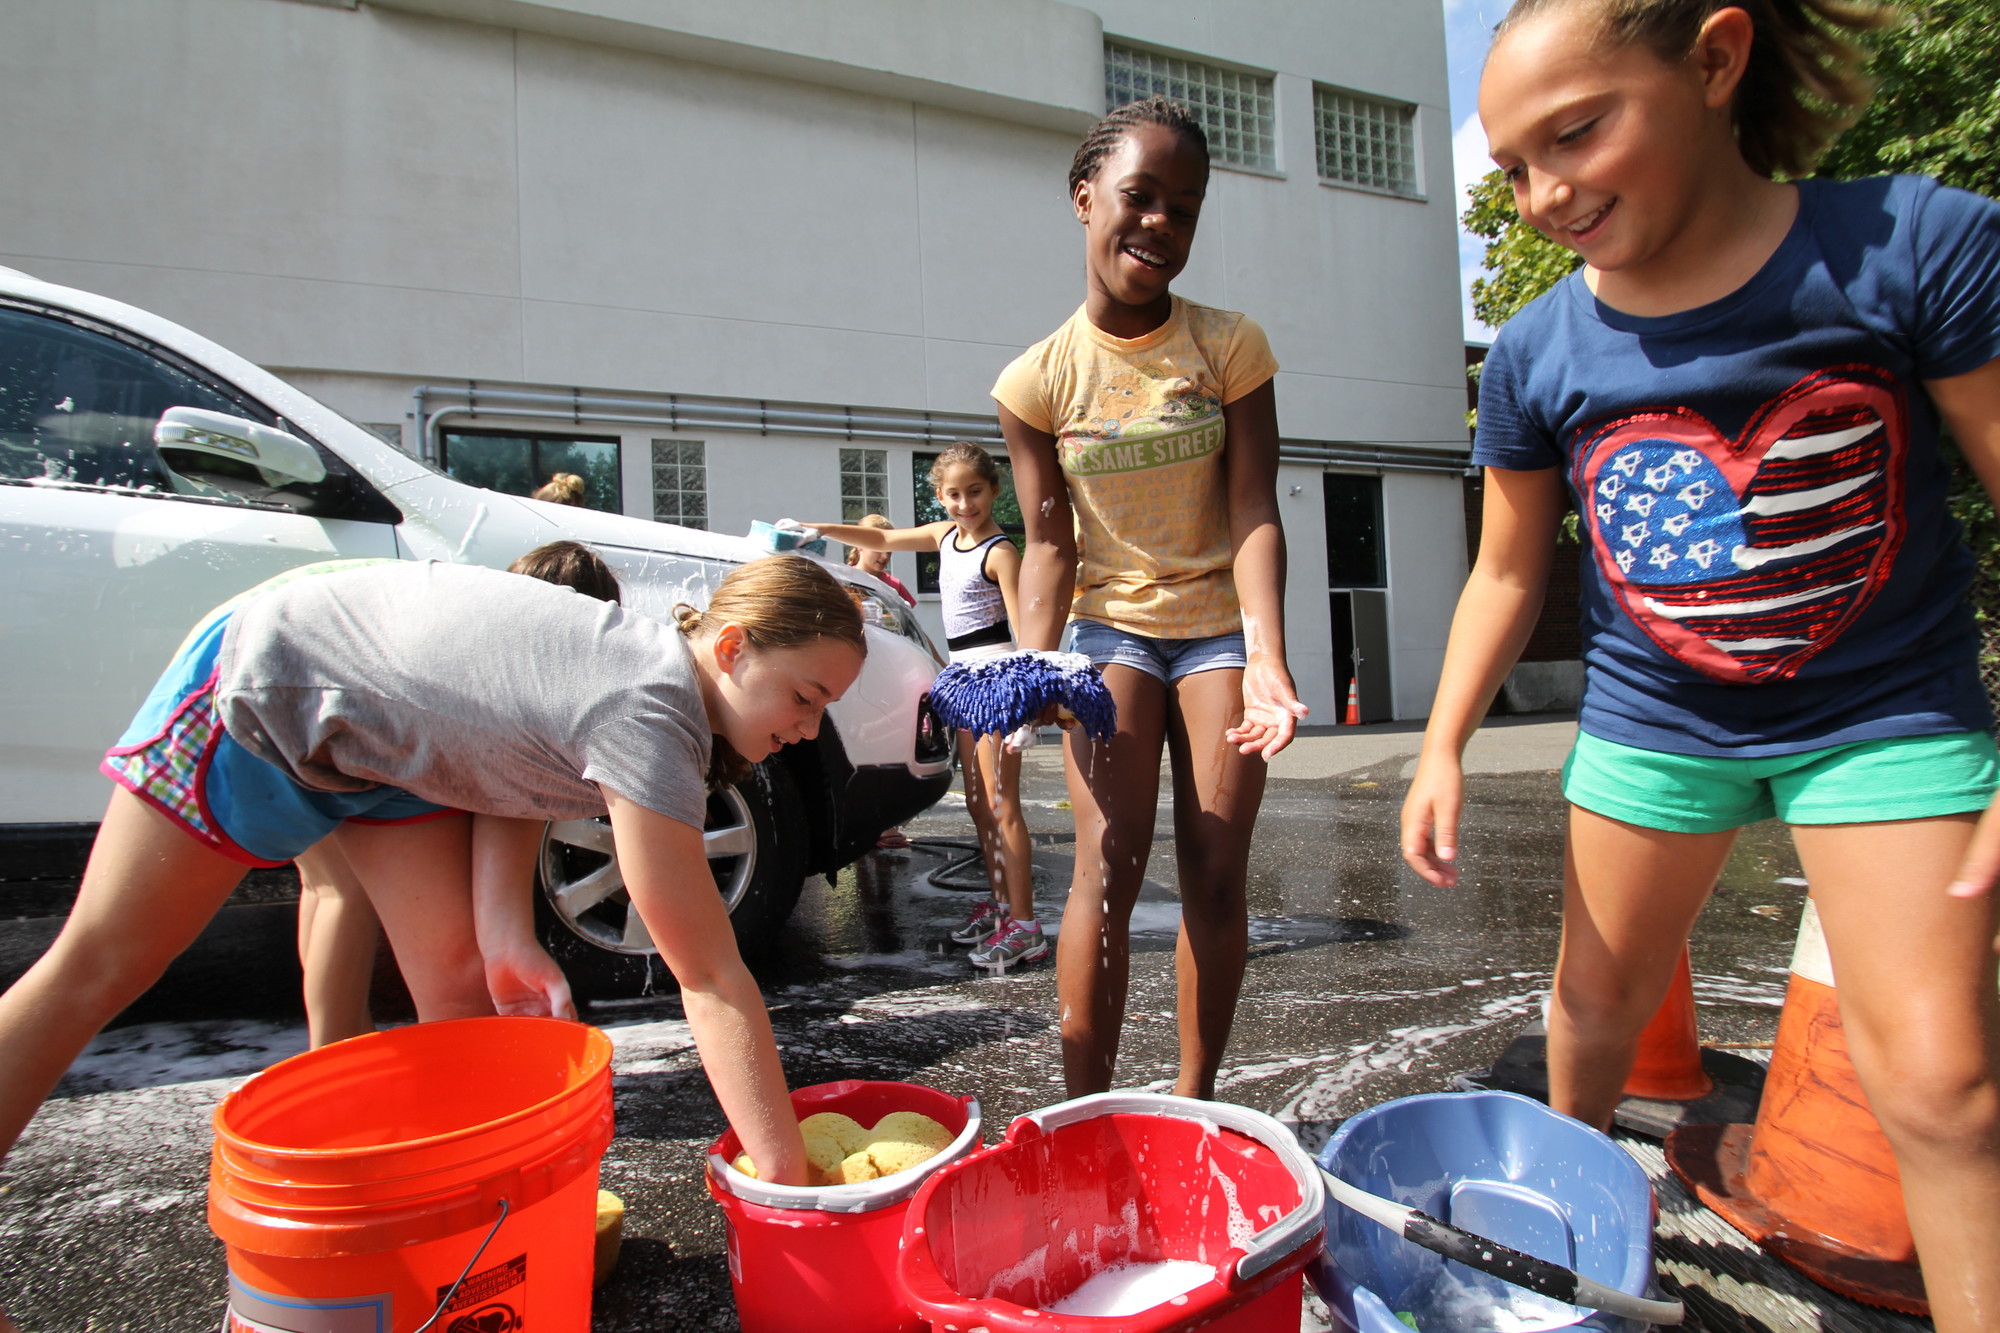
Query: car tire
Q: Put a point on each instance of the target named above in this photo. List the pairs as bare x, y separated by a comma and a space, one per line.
754, 836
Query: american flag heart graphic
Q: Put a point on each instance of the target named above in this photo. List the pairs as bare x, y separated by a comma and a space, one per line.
1743, 558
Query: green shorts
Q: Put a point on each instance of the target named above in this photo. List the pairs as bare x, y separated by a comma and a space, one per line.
1908, 777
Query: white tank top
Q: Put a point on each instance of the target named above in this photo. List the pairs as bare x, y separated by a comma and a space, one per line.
975, 613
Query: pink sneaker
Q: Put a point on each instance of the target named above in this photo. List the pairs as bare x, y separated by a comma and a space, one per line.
987, 920
1015, 944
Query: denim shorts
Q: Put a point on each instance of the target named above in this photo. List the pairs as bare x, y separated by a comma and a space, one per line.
177, 757
1162, 659
1867, 782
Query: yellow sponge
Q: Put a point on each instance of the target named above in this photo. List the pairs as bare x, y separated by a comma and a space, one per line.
891, 1156
851, 1137
903, 1139
823, 1154
857, 1167
840, 1152
610, 1232
911, 1127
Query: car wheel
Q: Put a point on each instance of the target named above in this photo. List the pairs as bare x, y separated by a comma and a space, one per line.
755, 843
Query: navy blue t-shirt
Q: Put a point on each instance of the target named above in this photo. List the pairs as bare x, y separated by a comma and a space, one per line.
1771, 565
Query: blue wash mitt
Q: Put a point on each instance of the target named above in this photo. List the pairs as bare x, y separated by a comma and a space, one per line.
997, 695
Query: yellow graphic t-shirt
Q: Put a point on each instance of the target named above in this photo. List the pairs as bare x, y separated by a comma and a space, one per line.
1139, 432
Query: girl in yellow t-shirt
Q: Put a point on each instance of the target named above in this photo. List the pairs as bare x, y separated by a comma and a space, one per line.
1144, 438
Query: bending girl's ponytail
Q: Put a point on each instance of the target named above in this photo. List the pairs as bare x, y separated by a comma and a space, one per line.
1807, 79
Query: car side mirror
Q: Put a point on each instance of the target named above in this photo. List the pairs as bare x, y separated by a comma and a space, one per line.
282, 456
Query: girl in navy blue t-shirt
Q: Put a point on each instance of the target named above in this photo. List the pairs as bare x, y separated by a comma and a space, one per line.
1741, 392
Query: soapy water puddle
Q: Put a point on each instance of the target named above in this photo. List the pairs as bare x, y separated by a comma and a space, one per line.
149, 1055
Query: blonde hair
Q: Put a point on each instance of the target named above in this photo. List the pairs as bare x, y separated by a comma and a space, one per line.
564, 488
1807, 79
877, 521
964, 453
780, 601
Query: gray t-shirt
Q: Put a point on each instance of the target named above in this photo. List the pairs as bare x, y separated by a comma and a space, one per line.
487, 691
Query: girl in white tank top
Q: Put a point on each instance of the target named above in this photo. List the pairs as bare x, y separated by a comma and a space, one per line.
977, 568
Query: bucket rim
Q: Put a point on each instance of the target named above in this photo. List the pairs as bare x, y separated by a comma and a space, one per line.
1290, 1244
1499, 1095
595, 1064
865, 1196
1270, 1244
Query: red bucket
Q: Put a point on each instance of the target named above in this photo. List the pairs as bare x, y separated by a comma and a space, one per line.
1113, 1181
824, 1257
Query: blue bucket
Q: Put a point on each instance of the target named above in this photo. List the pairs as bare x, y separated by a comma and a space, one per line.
1502, 1166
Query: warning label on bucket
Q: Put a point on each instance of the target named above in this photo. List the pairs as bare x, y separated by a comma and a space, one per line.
486, 1301
252, 1311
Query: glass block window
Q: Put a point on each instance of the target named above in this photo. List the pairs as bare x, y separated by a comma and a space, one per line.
1232, 106
1364, 141
680, 483
864, 483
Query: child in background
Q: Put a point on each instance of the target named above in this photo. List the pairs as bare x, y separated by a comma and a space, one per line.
1741, 391
415, 687
977, 569
338, 926
877, 562
1144, 436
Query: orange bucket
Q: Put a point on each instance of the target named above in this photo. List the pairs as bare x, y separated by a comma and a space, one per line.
443, 1172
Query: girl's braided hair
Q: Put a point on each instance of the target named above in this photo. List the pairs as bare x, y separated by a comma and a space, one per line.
1106, 133
1806, 80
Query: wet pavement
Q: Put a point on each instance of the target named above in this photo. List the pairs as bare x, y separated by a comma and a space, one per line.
1364, 984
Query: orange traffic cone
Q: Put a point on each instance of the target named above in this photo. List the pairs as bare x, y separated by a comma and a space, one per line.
1353, 718
1669, 1065
1814, 1181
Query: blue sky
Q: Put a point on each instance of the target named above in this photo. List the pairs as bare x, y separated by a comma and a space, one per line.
1468, 25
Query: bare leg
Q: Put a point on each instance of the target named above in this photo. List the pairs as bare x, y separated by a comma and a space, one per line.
419, 879
1630, 896
337, 938
1922, 1016
1217, 791
147, 891
1114, 791
993, 798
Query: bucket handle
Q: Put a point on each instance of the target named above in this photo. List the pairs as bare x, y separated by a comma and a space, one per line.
1269, 1245
450, 1291
445, 1303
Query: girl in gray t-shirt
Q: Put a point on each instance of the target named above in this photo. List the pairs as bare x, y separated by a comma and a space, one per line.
396, 691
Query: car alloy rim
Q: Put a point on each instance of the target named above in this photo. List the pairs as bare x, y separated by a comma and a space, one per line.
582, 881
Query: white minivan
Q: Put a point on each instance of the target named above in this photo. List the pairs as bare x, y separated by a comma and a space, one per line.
147, 475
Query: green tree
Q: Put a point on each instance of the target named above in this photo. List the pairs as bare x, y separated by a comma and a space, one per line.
1520, 262
1937, 101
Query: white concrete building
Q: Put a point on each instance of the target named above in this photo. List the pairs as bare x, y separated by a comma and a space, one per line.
749, 259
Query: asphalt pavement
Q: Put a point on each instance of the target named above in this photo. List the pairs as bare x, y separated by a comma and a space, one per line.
1364, 984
